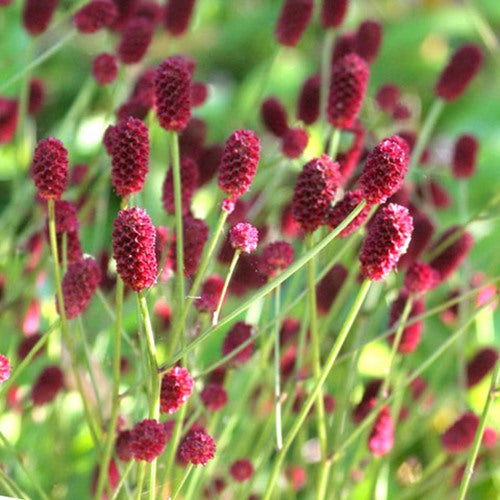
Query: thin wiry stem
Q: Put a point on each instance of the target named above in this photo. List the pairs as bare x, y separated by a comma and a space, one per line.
234, 261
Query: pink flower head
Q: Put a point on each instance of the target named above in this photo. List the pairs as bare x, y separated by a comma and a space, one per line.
50, 168
460, 435
239, 333
456, 76
308, 101
333, 12
293, 20
210, 294
47, 385
480, 365
176, 387
134, 248
276, 257
189, 184
315, 189
197, 447
95, 15
147, 440
411, 333
464, 156
8, 119
274, 117
214, 397
241, 470
328, 288
135, 40
420, 277
4, 369
244, 237
343, 208
387, 97
368, 40
129, 156
104, 68
178, 13
293, 142
381, 438
388, 238
385, 170
349, 79
37, 15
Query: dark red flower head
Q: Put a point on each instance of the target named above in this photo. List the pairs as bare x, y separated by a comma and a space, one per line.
214, 397
37, 15
36, 96
274, 117
210, 294
122, 446
464, 156
208, 162
197, 447
420, 277
388, 238
65, 216
241, 470
456, 76
108, 139
178, 13
450, 258
176, 387
460, 435
24, 348
423, 229
333, 12
104, 68
147, 440
387, 97
47, 385
315, 189
480, 365
349, 160
8, 119
294, 141
149, 10
173, 93
192, 138
239, 163
349, 79
381, 438
199, 94
134, 248
343, 208
412, 333
368, 40
276, 257
329, 286
95, 15
244, 237
368, 401
385, 170
434, 193
129, 156
189, 184
239, 333
4, 368
345, 44
50, 168
135, 40
293, 20
126, 10
79, 285
308, 101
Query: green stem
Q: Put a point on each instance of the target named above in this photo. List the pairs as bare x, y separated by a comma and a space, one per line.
326, 55
299, 421
11, 487
123, 478
140, 480
334, 143
471, 460
234, 261
183, 480
277, 380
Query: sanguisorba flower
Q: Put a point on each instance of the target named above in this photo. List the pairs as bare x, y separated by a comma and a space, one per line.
343, 208
368, 40
293, 142
293, 20
381, 438
244, 237
50, 168
412, 332
176, 387
134, 238
241, 470
135, 40
197, 447
104, 68
480, 365
420, 277
47, 385
308, 100
276, 257
37, 15
95, 15
147, 440
388, 238
329, 286
333, 12
211, 290
239, 333
274, 117
464, 156
178, 13
189, 184
460, 435
4, 368
213, 396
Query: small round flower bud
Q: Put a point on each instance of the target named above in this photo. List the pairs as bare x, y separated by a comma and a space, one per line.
388, 238
480, 365
178, 13
456, 76
47, 385
276, 257
420, 277
381, 439
189, 184
239, 163
460, 435
293, 142
135, 40
241, 470
411, 333
464, 156
244, 237
274, 117
329, 286
199, 94
308, 101
95, 15
4, 369
173, 93
176, 387
333, 12
36, 96
37, 15
315, 189
385, 170
129, 156
210, 294
104, 68
343, 208
8, 119
239, 333
197, 447
293, 20
134, 248
348, 83
368, 40
50, 168
214, 397
147, 440
387, 97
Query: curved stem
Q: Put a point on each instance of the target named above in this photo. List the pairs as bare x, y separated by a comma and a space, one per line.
183, 480
234, 261
123, 478
277, 381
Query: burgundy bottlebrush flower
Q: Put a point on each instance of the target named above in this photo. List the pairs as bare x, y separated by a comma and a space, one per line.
368, 40
288, 225
385, 170
211, 290
349, 79
247, 275
50, 168
345, 44
192, 138
343, 208
333, 12
315, 189
411, 333
420, 277
423, 230
199, 94
458, 73
150, 11
189, 184
388, 238
144, 88
329, 286
274, 116
401, 112
464, 156
65, 217
239, 163
178, 13
108, 139
104, 68
276, 257
73, 247
239, 333
8, 119
176, 387
37, 15
308, 101
36, 96
47, 385
147, 440
208, 162
480, 365
294, 141
293, 20
4, 368
173, 93
135, 40
460, 435
450, 258
368, 401
129, 156
197, 447
381, 438
126, 9
244, 237
214, 397
132, 108
387, 97
27, 344
134, 248
79, 285
95, 15
241, 470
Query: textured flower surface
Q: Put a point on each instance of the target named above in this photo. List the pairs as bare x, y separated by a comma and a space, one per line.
420, 277
104, 68
381, 438
214, 397
333, 12
4, 368
135, 40
122, 446
211, 291
294, 142
244, 237
147, 440
239, 333
241, 470
276, 257
95, 15
293, 20
343, 208
176, 387
274, 116
197, 447
178, 13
